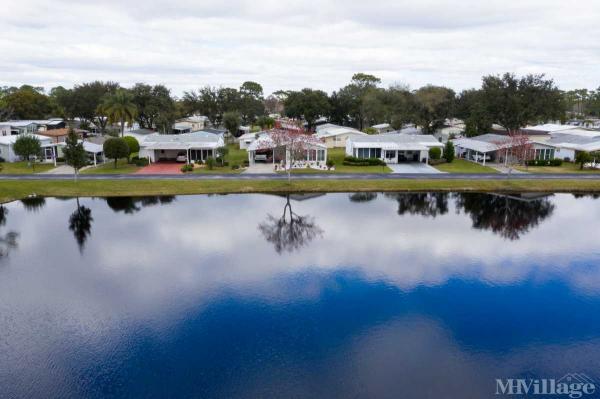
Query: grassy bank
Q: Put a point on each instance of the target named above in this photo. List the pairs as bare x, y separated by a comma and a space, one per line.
12, 190
566, 167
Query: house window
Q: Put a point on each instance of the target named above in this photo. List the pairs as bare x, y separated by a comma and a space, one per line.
320, 155
544, 154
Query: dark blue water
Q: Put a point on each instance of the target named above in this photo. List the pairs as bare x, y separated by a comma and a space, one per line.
353, 295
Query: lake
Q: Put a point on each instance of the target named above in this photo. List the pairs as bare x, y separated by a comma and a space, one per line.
303, 296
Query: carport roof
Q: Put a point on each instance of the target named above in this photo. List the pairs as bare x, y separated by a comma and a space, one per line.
182, 141
406, 142
484, 143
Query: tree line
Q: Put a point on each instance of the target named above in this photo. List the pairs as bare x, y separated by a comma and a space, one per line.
507, 100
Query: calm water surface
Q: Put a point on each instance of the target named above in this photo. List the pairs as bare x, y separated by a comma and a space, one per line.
353, 295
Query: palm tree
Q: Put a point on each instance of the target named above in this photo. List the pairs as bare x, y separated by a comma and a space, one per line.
120, 108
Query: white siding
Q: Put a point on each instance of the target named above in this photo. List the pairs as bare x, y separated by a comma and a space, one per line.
563, 153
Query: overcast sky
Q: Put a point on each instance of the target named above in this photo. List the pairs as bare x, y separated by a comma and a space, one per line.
187, 44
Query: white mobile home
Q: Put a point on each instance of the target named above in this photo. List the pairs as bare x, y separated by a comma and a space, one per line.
393, 148
7, 153
196, 146
336, 136
265, 150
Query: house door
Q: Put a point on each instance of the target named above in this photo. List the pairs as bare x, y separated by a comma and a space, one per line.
390, 156
48, 154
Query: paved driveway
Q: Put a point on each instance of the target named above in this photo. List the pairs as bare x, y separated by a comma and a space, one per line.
414, 167
260, 168
60, 170
161, 168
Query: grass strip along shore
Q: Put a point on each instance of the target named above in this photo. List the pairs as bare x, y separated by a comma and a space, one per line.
17, 189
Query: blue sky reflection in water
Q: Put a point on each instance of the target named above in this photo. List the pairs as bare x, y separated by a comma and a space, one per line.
363, 295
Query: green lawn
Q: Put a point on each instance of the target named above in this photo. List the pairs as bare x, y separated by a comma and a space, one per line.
109, 168
217, 170
13, 190
462, 166
566, 167
236, 156
21, 168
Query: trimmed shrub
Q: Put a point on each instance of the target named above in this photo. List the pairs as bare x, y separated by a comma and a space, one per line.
544, 162
246, 163
187, 168
210, 163
115, 148
2, 160
141, 162
330, 164
435, 153
235, 166
354, 161
132, 143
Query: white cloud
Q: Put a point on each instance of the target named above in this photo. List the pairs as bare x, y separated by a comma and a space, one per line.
187, 44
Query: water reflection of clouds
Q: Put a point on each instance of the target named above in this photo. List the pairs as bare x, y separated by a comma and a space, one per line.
214, 240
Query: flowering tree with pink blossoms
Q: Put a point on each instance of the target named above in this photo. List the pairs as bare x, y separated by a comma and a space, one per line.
295, 141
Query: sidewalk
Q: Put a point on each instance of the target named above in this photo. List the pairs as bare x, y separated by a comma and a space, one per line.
503, 169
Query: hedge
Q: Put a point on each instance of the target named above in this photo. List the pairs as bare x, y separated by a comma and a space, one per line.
544, 162
354, 161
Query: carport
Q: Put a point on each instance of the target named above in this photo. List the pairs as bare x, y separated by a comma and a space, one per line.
484, 148
196, 146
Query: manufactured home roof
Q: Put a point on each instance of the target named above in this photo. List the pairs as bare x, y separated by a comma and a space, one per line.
548, 128
578, 131
182, 141
398, 141
575, 142
12, 139
334, 130
381, 126
485, 143
265, 141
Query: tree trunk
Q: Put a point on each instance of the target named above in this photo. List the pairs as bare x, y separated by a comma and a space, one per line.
122, 127
115, 163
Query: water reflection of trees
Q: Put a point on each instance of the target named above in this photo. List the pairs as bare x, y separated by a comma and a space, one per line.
425, 204
291, 231
8, 240
362, 197
130, 205
509, 216
505, 215
33, 204
3, 215
80, 223
586, 195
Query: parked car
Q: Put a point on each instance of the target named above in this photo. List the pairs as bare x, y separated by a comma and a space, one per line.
181, 157
260, 157
480, 158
